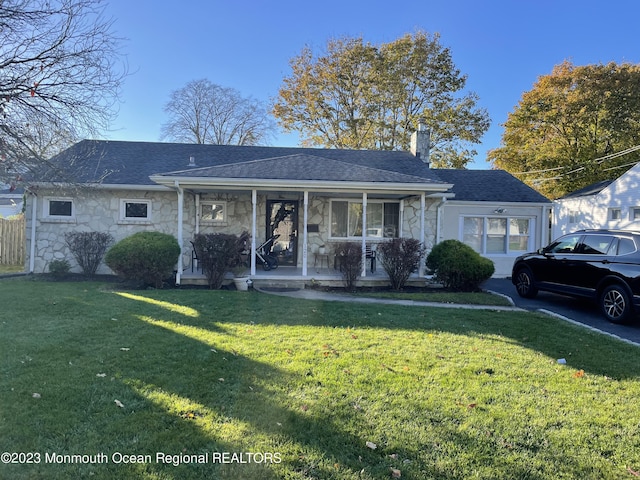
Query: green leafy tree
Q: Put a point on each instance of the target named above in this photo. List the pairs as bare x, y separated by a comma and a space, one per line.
358, 95
576, 126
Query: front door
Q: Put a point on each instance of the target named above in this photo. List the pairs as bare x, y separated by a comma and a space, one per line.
282, 220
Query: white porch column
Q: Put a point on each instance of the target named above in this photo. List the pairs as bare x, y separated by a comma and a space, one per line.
423, 203
305, 219
401, 220
180, 230
254, 221
197, 213
364, 234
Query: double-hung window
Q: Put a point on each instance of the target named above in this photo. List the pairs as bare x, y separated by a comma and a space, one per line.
383, 219
497, 235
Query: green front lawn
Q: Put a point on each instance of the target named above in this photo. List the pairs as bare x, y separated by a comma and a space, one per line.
293, 389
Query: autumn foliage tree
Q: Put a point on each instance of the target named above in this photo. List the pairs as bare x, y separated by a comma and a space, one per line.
60, 75
363, 96
576, 126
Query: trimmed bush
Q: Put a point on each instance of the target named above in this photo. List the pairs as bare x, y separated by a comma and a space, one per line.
146, 258
59, 268
88, 248
218, 253
458, 266
350, 258
400, 257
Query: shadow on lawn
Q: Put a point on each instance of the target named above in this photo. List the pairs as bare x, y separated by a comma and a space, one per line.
224, 389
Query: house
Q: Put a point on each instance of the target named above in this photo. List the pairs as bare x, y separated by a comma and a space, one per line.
308, 197
10, 202
613, 204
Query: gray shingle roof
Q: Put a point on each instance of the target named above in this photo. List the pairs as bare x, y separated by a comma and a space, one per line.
592, 189
131, 163
489, 186
301, 166
115, 162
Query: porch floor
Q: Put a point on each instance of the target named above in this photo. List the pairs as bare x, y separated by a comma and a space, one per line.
291, 277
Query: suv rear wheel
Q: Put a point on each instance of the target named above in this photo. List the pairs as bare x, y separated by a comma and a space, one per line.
615, 304
524, 283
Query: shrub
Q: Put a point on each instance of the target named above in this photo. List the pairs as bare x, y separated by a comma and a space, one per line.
458, 266
400, 257
146, 258
217, 254
59, 267
350, 258
88, 248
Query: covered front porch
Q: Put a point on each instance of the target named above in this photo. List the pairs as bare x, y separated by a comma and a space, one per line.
292, 277
309, 203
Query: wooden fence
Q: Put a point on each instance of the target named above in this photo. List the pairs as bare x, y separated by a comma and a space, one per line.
12, 241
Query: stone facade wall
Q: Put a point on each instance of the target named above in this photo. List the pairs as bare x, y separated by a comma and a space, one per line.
99, 210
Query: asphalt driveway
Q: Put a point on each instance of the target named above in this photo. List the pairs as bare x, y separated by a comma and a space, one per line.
577, 310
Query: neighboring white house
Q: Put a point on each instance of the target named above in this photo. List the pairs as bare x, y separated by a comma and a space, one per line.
309, 197
613, 204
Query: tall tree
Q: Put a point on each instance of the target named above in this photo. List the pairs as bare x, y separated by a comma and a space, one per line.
60, 76
362, 96
203, 112
576, 126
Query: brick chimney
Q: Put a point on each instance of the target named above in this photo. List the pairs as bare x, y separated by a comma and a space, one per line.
420, 143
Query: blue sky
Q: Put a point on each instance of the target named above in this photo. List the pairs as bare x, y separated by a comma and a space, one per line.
502, 45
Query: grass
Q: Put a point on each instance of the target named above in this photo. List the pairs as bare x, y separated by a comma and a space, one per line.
473, 298
442, 393
11, 269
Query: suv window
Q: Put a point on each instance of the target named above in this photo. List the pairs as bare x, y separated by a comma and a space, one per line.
564, 245
626, 246
596, 244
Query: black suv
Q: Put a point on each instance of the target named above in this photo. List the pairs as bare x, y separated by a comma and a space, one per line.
603, 265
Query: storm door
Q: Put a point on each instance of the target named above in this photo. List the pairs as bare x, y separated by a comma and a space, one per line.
282, 220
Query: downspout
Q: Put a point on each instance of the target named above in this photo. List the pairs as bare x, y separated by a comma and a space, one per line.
423, 204
180, 229
439, 219
32, 246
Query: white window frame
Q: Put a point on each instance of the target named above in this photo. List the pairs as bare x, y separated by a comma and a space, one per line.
574, 217
46, 209
485, 223
123, 210
614, 214
213, 221
359, 202
634, 214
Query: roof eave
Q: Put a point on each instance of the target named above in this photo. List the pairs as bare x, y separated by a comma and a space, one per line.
296, 185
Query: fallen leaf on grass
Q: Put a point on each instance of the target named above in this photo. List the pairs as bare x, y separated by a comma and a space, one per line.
36, 395
118, 403
579, 374
221, 379
371, 445
101, 375
395, 473
125, 349
633, 472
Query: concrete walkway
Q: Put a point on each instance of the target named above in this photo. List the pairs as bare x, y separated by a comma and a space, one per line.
311, 294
